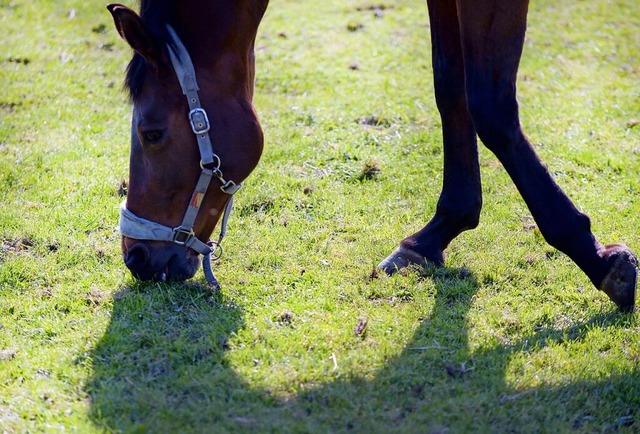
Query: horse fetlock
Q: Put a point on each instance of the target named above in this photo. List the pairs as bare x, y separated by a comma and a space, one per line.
459, 213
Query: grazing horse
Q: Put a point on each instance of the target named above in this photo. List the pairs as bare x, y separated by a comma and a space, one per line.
195, 135
476, 49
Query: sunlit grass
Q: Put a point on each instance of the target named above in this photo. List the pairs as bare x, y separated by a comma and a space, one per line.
508, 337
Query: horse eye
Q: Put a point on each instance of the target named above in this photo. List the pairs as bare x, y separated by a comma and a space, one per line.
151, 137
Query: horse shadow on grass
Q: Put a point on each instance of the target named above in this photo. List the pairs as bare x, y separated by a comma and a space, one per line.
161, 367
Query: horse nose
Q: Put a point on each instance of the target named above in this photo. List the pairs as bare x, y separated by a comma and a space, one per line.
137, 261
160, 262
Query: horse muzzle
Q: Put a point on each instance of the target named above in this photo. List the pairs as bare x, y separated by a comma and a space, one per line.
159, 261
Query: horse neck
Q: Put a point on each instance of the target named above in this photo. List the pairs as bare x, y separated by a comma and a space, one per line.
220, 36
218, 25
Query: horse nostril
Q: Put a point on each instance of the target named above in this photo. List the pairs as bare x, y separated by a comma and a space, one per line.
137, 257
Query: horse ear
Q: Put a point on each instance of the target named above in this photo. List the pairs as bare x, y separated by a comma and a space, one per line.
133, 30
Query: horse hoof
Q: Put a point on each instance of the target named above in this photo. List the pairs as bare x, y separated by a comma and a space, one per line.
401, 258
620, 282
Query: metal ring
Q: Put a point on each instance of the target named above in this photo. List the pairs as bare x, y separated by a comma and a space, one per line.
216, 162
216, 250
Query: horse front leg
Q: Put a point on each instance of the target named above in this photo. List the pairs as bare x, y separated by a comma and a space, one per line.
460, 201
492, 39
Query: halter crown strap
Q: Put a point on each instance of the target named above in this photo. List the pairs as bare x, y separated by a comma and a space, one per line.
200, 125
187, 77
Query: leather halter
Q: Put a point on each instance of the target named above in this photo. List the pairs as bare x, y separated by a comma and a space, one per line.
138, 228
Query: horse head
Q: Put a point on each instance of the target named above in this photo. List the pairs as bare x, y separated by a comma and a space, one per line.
194, 134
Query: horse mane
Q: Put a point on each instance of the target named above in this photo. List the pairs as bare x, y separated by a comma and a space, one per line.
155, 14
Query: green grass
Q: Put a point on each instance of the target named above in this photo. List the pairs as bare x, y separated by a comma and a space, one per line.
508, 337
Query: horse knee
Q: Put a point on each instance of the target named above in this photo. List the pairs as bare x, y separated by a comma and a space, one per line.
470, 217
449, 91
496, 119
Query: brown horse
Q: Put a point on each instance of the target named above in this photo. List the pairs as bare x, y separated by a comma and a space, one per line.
476, 49
177, 154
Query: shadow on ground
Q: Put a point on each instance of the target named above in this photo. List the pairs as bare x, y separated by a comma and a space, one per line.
161, 367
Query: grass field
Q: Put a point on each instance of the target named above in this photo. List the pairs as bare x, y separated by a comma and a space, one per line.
509, 336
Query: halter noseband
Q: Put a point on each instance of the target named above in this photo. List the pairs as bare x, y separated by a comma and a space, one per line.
137, 228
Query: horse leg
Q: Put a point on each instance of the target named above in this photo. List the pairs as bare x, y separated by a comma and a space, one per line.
492, 40
460, 201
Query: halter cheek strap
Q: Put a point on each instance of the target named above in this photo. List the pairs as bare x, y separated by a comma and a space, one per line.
138, 228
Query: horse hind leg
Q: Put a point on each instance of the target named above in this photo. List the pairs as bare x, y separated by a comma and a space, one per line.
460, 201
491, 95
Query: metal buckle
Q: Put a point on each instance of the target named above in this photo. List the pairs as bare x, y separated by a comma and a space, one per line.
199, 121
182, 232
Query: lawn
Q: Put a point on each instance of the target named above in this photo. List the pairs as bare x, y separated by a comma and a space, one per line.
304, 336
